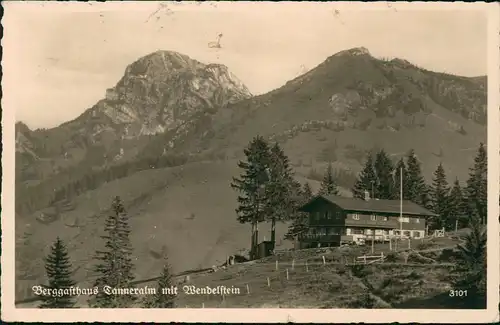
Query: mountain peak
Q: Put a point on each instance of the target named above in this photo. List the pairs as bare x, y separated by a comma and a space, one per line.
355, 51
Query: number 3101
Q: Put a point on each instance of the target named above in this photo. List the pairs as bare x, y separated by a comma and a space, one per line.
458, 293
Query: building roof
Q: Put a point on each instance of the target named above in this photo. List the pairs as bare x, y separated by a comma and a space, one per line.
372, 205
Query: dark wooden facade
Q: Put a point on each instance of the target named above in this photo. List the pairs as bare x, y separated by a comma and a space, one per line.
332, 220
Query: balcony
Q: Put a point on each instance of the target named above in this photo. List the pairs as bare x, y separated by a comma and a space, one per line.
319, 238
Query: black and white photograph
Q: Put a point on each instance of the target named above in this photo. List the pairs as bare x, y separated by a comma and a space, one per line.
250, 162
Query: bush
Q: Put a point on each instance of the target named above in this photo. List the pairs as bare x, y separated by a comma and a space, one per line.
360, 271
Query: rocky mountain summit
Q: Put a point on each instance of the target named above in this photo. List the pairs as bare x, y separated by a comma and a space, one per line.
157, 93
168, 136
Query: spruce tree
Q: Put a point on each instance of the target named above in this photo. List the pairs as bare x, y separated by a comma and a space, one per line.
299, 223
115, 268
329, 184
416, 188
251, 186
307, 191
400, 167
439, 199
366, 181
162, 299
384, 168
477, 186
281, 190
58, 270
471, 266
456, 213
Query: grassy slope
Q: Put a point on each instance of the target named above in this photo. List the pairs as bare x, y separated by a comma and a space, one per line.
161, 201
160, 204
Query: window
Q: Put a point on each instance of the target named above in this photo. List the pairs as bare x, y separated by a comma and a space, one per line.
417, 220
386, 232
355, 216
326, 215
357, 231
396, 232
385, 218
416, 234
373, 217
407, 233
404, 219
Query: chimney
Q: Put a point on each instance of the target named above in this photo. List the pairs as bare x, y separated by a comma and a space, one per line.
367, 196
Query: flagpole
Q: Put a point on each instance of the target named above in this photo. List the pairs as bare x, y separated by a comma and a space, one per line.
401, 203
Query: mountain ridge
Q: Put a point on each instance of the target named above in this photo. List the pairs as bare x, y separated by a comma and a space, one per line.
335, 113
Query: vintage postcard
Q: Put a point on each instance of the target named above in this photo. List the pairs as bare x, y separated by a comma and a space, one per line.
250, 162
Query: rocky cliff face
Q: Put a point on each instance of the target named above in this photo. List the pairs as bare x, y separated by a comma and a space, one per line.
163, 90
158, 93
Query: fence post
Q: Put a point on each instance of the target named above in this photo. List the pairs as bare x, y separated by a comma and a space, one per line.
276, 265
268, 282
390, 244
248, 289
324, 261
409, 243
307, 268
287, 274
202, 305
293, 264
382, 256
365, 259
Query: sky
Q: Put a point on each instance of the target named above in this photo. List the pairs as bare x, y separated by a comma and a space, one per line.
59, 58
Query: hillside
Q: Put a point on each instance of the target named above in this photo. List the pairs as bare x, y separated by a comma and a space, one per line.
168, 136
160, 93
353, 102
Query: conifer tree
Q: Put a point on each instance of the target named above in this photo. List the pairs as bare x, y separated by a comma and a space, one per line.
251, 187
367, 180
307, 191
58, 270
115, 268
477, 186
456, 213
329, 184
400, 167
281, 191
299, 224
471, 266
416, 188
440, 200
162, 299
384, 168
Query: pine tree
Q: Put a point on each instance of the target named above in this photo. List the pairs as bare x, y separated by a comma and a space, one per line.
115, 263
384, 168
329, 184
400, 167
439, 200
477, 186
471, 266
307, 191
366, 181
58, 269
299, 224
456, 212
162, 299
252, 187
416, 188
281, 190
